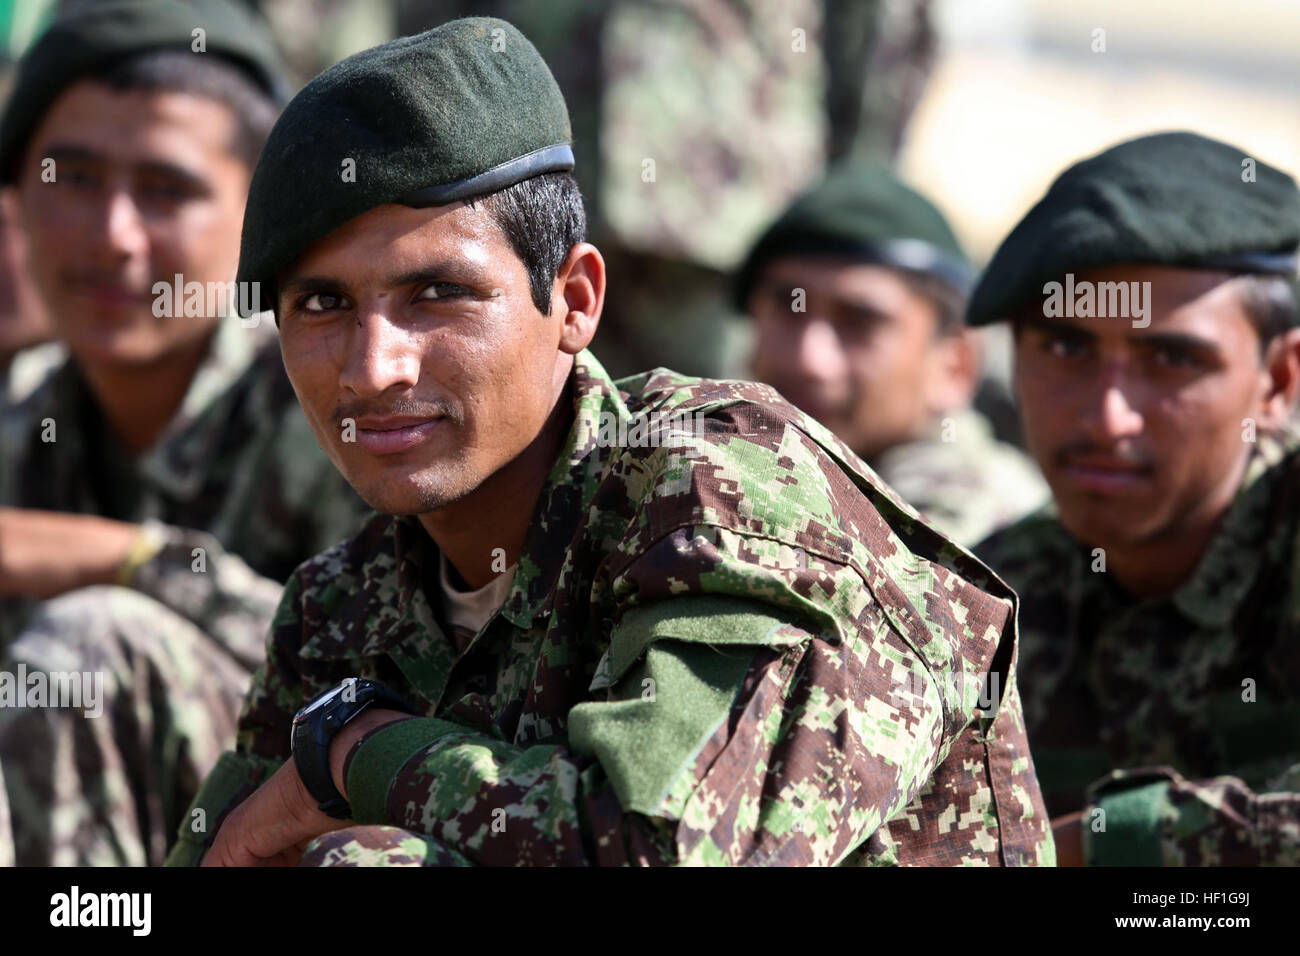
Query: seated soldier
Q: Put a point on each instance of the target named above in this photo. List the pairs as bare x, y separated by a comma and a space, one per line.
659, 620
161, 484
1157, 363
857, 293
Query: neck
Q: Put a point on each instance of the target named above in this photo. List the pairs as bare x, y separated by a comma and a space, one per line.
483, 533
1159, 565
138, 401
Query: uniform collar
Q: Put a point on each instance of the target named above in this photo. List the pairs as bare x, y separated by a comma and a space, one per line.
180, 459
1238, 549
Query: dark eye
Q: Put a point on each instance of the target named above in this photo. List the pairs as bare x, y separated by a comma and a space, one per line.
322, 302
1174, 356
1063, 346
442, 290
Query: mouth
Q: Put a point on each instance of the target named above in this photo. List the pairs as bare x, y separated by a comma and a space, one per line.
109, 296
1105, 475
396, 434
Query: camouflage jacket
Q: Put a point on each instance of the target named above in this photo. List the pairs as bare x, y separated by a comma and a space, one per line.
963, 480
236, 489
1164, 692
725, 644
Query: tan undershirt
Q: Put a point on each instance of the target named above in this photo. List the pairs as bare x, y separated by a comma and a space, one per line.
467, 611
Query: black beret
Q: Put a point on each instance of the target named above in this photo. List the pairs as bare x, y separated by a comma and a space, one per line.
863, 211
89, 35
1170, 199
459, 111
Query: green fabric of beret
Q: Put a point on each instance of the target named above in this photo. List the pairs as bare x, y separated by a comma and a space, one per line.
1170, 199
862, 211
89, 35
462, 110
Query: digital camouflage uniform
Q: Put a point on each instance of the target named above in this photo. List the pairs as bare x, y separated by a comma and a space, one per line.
735, 647
236, 493
1193, 699
963, 480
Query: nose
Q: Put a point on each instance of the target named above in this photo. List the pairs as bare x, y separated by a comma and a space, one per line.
817, 353
1114, 410
124, 232
381, 356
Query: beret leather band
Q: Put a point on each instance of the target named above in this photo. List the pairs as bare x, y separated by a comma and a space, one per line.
1282, 263
548, 159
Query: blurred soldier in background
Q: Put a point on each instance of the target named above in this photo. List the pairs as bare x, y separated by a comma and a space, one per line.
159, 487
857, 293
26, 352
1157, 363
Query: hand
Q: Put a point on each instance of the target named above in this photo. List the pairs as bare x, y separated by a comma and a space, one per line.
272, 827
46, 553
275, 824
1067, 831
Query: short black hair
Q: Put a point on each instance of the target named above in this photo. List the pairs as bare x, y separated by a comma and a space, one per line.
210, 75
1270, 304
543, 218
949, 302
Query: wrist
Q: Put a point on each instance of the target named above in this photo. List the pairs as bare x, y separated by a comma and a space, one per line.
347, 740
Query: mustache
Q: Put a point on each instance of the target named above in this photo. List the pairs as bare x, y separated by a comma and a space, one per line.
415, 408
1124, 453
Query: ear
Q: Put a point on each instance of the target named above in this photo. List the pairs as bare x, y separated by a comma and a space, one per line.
955, 362
1282, 381
579, 295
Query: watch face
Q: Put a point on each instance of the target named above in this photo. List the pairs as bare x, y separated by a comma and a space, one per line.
318, 703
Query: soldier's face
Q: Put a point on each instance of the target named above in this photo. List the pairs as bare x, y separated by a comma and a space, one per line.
417, 353
119, 191
862, 358
1140, 430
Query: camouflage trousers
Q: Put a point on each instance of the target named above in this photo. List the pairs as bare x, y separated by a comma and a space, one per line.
378, 846
104, 779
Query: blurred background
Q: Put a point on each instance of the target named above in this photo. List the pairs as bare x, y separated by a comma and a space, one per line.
696, 121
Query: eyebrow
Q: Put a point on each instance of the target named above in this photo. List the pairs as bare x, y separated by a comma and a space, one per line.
456, 271
1143, 340
157, 167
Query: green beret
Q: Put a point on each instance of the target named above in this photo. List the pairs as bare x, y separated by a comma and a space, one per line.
462, 110
863, 211
1171, 199
90, 35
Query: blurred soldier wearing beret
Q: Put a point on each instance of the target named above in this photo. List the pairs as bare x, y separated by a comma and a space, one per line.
1151, 293
162, 483
858, 293
662, 620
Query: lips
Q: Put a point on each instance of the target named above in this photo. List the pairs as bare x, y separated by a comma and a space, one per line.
1105, 474
394, 434
111, 296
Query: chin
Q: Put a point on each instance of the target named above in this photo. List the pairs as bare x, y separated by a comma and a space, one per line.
409, 494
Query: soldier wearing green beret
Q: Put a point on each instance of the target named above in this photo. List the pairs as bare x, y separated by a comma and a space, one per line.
857, 293
653, 620
1157, 363
162, 483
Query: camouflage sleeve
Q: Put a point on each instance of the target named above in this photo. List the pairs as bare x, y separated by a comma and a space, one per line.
733, 732
1155, 817
193, 575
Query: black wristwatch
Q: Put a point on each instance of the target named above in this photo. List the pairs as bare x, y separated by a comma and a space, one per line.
315, 726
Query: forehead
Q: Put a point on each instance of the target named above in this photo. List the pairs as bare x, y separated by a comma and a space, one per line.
1207, 305
391, 237
842, 278
127, 126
